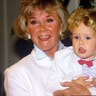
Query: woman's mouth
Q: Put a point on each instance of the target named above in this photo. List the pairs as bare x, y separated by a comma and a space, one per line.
44, 38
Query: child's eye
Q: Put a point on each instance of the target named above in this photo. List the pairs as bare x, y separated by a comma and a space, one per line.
88, 38
76, 37
50, 20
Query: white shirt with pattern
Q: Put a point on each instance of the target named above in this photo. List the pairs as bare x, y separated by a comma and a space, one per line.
67, 68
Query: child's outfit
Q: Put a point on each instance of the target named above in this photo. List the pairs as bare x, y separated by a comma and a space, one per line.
69, 66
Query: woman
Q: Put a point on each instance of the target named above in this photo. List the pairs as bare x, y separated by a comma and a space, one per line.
43, 21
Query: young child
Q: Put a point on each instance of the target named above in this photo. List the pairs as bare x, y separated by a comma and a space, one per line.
80, 59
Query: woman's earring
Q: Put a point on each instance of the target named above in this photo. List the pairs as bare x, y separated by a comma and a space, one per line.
60, 32
28, 36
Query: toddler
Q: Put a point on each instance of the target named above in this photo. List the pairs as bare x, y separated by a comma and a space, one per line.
79, 59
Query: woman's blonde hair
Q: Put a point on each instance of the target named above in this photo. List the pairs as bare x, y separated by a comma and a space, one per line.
27, 8
85, 16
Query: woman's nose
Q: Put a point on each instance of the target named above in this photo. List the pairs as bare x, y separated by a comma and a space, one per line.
42, 27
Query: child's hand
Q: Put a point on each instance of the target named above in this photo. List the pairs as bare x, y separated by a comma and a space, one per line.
82, 81
94, 82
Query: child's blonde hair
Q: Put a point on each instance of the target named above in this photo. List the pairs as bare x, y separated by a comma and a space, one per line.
80, 15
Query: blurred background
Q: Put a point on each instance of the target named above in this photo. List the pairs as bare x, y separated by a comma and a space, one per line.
8, 12
12, 48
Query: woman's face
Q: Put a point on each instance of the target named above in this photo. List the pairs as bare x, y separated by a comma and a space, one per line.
44, 29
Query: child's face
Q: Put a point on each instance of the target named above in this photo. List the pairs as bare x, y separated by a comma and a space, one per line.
84, 41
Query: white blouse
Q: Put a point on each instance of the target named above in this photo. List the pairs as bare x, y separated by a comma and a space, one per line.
28, 77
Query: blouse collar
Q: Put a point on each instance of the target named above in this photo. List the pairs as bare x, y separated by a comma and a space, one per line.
40, 54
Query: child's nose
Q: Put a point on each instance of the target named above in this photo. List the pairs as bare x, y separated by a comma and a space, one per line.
81, 41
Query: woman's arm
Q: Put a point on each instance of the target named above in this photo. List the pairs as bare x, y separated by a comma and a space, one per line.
16, 83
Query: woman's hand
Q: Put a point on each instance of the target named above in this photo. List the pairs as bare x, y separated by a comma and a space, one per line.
82, 81
94, 82
74, 89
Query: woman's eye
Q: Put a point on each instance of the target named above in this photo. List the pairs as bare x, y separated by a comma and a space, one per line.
33, 22
50, 20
